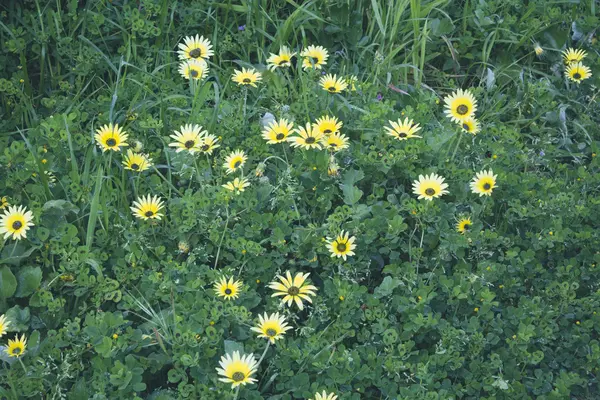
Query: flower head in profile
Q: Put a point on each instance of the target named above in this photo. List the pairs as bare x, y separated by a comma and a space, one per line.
308, 138
352, 80
342, 245
335, 142
538, 49
471, 125
403, 130
234, 161
314, 57
460, 105
193, 69
195, 47
237, 369
4, 324
237, 185
228, 288
15, 222
209, 143
16, 347
333, 84
325, 396
189, 138
333, 169
271, 327
137, 162
577, 72
283, 59
463, 225
147, 207
246, 77
327, 125
111, 137
572, 55
293, 289
429, 187
483, 183
278, 131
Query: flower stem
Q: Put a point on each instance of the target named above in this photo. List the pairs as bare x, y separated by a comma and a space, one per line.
237, 391
264, 352
457, 144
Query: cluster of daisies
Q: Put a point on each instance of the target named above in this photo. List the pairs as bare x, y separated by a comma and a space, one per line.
15, 347
575, 70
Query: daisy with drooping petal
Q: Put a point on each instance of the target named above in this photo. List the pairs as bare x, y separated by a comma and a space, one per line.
209, 143
195, 47
246, 76
188, 138
16, 347
460, 105
147, 207
237, 369
278, 131
471, 125
577, 72
571, 55
403, 130
333, 169
314, 57
309, 138
333, 84
351, 81
235, 161
228, 289
483, 183
293, 289
193, 69
15, 222
237, 185
111, 137
429, 187
283, 59
335, 142
328, 125
137, 162
537, 48
463, 225
325, 396
271, 327
342, 245
4, 324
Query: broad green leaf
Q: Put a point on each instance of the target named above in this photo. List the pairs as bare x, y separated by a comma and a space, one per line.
29, 279
8, 283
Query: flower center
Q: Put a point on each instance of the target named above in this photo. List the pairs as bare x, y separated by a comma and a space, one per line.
466, 127
332, 88
205, 147
135, 167
577, 75
194, 73
462, 109
237, 164
111, 142
429, 191
271, 332
282, 62
189, 144
341, 247
195, 53
487, 186
293, 291
467, 226
310, 140
17, 225
149, 213
247, 80
280, 136
402, 134
238, 376
228, 291
315, 60
17, 350
327, 131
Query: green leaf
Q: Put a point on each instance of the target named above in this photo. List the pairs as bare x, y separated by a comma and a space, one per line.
59, 207
19, 318
29, 279
231, 346
15, 254
352, 176
8, 283
387, 287
352, 194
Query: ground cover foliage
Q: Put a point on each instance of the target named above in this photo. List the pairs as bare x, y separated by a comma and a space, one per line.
139, 271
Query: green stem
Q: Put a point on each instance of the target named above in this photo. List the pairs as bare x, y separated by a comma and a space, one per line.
460, 135
222, 238
237, 391
264, 352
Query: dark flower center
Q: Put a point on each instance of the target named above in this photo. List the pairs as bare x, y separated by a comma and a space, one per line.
194, 73
17, 225
111, 142
228, 291
462, 109
247, 80
328, 131
310, 140
17, 350
135, 167
487, 186
149, 213
237, 164
466, 226
189, 144
195, 53
402, 134
332, 88
280, 136
466, 127
271, 332
293, 291
341, 247
315, 60
282, 62
429, 191
205, 147
238, 376
577, 75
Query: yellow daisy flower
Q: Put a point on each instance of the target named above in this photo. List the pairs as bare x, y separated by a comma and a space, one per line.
246, 77
147, 207
278, 131
4, 324
15, 222
328, 125
335, 142
111, 137
16, 347
342, 245
309, 138
293, 290
325, 396
228, 289
271, 327
195, 47
483, 183
403, 130
577, 72
235, 161
539, 51
137, 162
333, 84
352, 80
209, 143
237, 185
237, 369
463, 225
429, 186
188, 138
333, 169
283, 59
571, 55
460, 105
193, 69
4, 202
314, 57
471, 125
